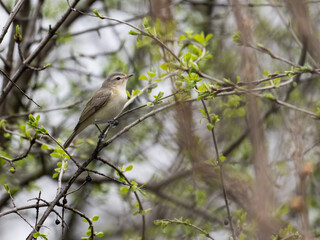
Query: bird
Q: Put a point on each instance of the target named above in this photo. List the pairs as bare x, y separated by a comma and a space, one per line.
105, 104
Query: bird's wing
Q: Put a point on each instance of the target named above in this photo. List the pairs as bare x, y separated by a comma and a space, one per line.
99, 99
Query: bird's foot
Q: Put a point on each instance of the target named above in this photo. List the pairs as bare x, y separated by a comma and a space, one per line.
112, 123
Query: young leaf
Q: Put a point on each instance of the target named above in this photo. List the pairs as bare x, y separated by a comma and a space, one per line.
131, 32
210, 126
99, 234
97, 13
129, 168
95, 218
143, 77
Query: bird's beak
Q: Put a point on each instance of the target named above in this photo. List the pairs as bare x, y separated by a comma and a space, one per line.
129, 75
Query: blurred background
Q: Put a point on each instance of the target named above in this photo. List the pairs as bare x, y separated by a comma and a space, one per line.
270, 150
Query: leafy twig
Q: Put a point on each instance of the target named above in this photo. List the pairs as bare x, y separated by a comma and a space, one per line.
220, 170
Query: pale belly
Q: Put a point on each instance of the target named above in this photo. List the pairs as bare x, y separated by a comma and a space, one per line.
111, 109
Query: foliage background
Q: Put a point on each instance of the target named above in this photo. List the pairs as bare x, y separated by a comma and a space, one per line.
256, 67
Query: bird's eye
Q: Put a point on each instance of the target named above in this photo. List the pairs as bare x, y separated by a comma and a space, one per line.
118, 78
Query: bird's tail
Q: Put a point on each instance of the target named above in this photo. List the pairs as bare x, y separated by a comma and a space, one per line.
69, 140
76, 131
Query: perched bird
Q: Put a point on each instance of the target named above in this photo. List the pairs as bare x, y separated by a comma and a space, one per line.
105, 104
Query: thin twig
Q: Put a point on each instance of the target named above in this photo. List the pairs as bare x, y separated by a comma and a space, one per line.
94, 29
220, 171
70, 106
6, 75
288, 105
135, 194
24, 155
17, 212
136, 28
271, 54
188, 224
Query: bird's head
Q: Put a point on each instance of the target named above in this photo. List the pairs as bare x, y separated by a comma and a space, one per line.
116, 79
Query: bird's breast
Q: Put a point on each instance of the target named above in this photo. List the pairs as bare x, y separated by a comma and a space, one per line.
113, 107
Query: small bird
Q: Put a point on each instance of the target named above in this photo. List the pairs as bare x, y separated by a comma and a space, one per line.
105, 104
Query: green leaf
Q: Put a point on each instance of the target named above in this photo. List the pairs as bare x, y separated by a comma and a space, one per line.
99, 234
85, 220
7, 188
124, 190
222, 157
55, 155
203, 112
208, 37
31, 118
135, 92
131, 32
208, 56
129, 168
150, 104
45, 147
143, 77
237, 38
269, 96
95, 218
95, 11
12, 170
144, 212
182, 37
199, 38
215, 119
145, 22
36, 235
195, 66
164, 66
3, 123
18, 31
151, 74
17, 36
266, 73
260, 45
55, 175
210, 126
